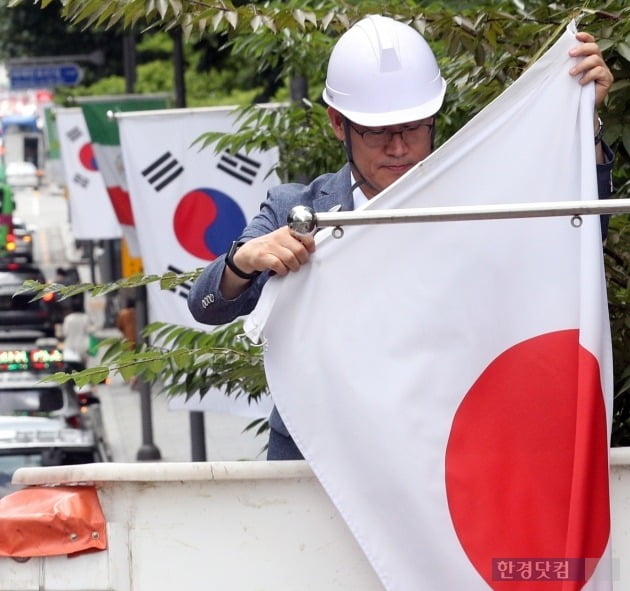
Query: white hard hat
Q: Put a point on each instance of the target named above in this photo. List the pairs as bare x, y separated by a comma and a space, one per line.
383, 72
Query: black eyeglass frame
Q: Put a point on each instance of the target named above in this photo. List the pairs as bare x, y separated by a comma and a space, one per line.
388, 134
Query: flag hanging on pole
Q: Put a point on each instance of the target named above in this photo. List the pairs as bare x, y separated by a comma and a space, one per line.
450, 383
189, 203
98, 113
92, 216
53, 165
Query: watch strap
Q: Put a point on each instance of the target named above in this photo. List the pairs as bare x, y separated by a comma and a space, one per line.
229, 261
600, 132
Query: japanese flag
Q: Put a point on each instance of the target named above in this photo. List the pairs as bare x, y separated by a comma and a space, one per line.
450, 383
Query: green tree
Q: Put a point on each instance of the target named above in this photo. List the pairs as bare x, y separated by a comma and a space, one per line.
21, 29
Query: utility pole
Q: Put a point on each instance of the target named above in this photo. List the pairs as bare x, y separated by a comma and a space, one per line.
198, 452
148, 450
129, 61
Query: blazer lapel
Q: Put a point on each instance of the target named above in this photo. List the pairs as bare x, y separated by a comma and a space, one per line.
335, 191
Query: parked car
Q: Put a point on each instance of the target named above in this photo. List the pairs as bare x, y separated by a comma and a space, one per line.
23, 394
22, 174
20, 241
19, 311
45, 423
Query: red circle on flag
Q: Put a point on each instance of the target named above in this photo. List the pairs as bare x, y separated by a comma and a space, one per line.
527, 466
194, 214
87, 158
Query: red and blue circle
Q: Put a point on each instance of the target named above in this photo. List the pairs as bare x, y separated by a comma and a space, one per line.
87, 158
206, 221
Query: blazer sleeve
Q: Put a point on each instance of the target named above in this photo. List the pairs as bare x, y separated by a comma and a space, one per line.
205, 300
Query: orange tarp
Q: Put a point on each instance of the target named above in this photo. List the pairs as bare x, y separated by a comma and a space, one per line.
51, 521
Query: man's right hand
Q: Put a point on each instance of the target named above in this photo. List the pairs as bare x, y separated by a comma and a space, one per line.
280, 251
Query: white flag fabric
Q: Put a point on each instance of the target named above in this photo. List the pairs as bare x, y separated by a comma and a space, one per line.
450, 383
106, 141
189, 204
92, 216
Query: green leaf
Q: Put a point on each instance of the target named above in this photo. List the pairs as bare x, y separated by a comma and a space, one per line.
93, 375
625, 137
624, 50
181, 358
232, 18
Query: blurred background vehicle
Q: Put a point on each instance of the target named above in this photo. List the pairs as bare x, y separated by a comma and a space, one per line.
7, 207
22, 174
45, 423
20, 244
18, 310
41, 441
22, 394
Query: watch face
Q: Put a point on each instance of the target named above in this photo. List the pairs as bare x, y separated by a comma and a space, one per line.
232, 265
233, 248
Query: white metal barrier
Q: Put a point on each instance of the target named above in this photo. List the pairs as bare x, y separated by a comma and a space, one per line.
234, 526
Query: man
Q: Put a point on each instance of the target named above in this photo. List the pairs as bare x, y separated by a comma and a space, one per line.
126, 322
383, 89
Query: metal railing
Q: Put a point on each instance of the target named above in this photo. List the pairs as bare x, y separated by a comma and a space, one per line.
304, 220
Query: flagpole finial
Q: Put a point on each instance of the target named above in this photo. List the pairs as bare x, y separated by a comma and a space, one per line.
302, 220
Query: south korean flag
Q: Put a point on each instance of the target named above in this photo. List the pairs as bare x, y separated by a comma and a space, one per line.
189, 202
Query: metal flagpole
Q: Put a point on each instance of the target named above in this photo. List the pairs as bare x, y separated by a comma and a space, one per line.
304, 220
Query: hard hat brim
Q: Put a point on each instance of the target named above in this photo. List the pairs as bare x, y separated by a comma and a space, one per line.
395, 117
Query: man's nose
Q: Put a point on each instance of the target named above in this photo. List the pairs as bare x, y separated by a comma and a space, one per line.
396, 143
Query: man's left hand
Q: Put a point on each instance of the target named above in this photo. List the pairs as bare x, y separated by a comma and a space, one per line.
592, 68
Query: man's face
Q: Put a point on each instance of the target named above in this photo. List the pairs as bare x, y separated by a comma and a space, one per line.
382, 155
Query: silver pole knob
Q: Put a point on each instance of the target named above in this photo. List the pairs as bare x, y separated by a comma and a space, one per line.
302, 220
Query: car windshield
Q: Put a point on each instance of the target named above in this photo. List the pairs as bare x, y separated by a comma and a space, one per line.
30, 401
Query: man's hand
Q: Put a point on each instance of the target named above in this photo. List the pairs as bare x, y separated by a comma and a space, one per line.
592, 68
279, 251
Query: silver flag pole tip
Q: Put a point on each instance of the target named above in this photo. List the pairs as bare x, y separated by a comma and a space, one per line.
302, 220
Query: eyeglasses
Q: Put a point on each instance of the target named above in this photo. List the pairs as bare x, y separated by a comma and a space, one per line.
413, 133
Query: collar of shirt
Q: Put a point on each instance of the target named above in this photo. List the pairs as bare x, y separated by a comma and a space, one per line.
358, 196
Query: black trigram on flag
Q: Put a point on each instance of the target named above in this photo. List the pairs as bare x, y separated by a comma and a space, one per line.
183, 289
74, 134
163, 171
81, 180
240, 167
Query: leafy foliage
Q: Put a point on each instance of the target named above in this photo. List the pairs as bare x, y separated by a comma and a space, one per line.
617, 253
20, 37
183, 361
294, 128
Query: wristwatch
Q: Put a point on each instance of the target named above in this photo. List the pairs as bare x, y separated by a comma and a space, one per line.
600, 132
229, 261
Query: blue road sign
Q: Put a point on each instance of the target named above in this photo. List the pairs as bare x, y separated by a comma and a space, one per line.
44, 76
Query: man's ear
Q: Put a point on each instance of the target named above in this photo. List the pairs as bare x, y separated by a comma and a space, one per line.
336, 121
